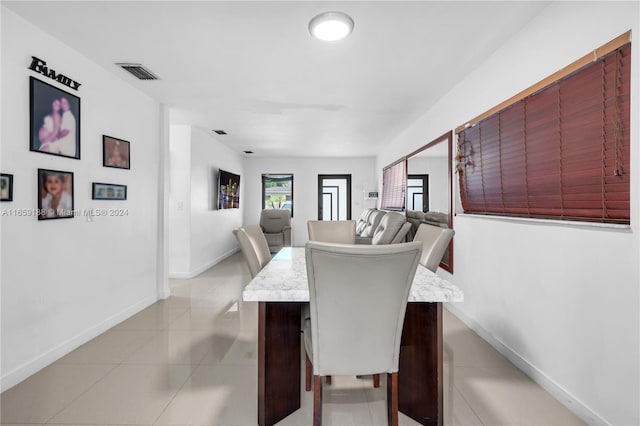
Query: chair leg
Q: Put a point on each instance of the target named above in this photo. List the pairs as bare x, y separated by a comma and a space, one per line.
327, 379
317, 400
392, 399
307, 375
376, 380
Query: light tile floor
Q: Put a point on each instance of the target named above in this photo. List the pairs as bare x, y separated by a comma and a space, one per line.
191, 360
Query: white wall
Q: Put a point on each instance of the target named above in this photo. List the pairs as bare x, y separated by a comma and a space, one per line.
305, 187
200, 235
65, 281
179, 200
561, 301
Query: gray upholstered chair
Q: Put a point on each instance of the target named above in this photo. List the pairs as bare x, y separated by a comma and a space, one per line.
276, 225
254, 247
332, 231
435, 241
367, 224
392, 229
358, 296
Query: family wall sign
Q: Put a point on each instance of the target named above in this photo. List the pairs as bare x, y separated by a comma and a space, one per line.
40, 66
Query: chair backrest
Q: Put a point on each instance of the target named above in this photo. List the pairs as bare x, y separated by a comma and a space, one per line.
254, 247
274, 220
358, 297
388, 228
435, 241
332, 231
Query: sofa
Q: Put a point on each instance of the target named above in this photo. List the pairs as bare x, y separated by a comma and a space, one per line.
367, 224
416, 217
381, 227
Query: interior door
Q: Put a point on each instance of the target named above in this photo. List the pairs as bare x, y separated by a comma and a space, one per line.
334, 197
418, 193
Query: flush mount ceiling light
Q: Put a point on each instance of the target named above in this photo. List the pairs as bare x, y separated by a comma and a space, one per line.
331, 26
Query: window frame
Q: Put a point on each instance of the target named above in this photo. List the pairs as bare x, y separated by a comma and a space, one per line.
394, 186
570, 190
277, 177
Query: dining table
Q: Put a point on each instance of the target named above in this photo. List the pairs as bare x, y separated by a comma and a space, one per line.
281, 288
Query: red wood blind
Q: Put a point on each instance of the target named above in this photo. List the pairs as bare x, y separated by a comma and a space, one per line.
394, 184
560, 153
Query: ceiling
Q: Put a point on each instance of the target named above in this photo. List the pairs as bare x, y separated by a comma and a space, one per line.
253, 70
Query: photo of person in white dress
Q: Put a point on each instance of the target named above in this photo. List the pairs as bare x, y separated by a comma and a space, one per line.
55, 120
67, 140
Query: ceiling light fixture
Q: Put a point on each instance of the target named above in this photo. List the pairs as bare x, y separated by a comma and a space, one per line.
331, 26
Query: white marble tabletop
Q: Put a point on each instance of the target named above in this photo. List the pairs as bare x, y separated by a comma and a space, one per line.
284, 279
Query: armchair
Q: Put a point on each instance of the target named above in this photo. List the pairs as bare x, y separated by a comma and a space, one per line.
276, 226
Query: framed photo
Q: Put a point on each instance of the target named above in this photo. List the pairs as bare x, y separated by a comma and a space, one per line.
55, 194
115, 153
108, 191
6, 187
54, 120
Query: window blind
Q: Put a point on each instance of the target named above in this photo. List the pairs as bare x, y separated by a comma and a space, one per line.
559, 153
394, 181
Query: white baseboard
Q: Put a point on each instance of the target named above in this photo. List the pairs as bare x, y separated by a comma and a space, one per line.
36, 364
192, 274
556, 390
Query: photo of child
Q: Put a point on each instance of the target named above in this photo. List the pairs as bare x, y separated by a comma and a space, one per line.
6, 187
115, 152
56, 194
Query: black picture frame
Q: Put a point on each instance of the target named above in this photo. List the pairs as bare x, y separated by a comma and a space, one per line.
108, 191
6, 187
54, 120
116, 153
47, 207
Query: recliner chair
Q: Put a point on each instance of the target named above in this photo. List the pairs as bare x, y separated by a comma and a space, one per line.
276, 226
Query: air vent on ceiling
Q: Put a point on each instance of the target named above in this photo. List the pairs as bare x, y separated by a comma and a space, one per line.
220, 132
138, 71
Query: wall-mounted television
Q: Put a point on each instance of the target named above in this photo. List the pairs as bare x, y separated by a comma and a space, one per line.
228, 190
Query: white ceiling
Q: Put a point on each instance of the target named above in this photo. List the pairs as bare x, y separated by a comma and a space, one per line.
253, 70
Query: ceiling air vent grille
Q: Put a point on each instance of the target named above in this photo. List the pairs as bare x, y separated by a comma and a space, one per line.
139, 71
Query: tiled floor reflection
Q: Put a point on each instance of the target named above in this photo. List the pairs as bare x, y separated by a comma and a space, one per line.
191, 360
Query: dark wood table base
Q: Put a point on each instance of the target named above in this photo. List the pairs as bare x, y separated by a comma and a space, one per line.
420, 381
420, 371
278, 360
